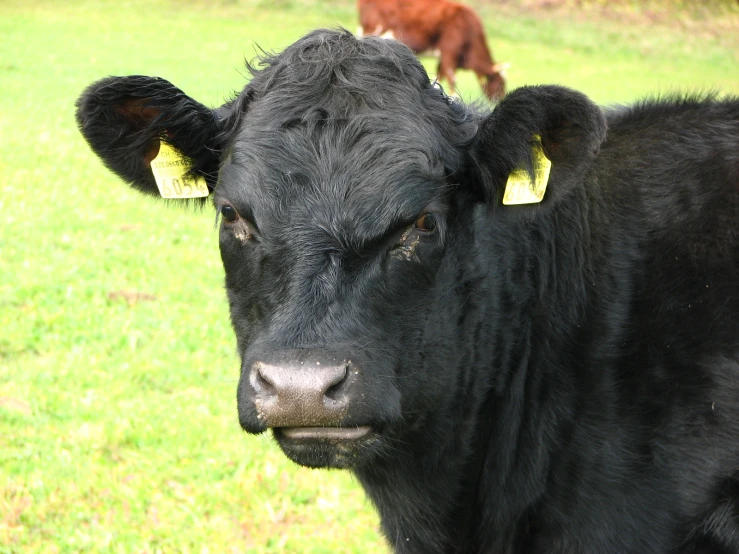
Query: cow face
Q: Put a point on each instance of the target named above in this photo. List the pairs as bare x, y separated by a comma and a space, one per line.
330, 275
347, 188
336, 202
493, 84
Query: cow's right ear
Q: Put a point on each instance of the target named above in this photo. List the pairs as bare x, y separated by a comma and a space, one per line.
549, 128
124, 119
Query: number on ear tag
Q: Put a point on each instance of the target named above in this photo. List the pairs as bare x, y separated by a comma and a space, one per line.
170, 170
519, 188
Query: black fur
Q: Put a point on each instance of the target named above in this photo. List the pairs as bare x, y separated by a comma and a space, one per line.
557, 378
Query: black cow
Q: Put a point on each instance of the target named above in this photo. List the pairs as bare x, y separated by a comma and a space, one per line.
557, 377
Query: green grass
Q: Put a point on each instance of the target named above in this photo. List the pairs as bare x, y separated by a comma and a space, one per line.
118, 429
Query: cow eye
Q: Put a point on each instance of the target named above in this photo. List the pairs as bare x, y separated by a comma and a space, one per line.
426, 223
229, 213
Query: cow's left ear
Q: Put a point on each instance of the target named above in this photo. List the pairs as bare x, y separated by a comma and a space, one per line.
531, 122
124, 120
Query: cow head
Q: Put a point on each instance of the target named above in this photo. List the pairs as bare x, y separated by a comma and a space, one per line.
493, 84
351, 193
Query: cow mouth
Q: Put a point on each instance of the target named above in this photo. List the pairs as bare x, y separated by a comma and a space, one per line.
337, 447
324, 433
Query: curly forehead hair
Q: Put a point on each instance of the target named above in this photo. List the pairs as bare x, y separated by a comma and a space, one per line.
339, 76
346, 64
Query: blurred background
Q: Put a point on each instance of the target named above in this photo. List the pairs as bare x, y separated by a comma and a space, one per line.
118, 427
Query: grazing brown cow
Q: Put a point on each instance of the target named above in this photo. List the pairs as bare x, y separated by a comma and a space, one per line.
451, 28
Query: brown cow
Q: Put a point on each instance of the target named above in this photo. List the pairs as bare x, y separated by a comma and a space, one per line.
451, 28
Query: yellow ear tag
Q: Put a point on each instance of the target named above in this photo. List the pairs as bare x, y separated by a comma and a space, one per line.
519, 189
170, 170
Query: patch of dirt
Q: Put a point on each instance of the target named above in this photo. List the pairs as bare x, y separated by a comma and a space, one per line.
15, 405
129, 227
131, 297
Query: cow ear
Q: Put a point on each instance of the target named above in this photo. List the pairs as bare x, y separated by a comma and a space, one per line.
534, 130
124, 120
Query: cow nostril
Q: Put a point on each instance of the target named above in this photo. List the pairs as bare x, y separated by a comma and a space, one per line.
263, 383
337, 388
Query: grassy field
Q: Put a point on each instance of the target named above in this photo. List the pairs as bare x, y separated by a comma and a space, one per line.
118, 429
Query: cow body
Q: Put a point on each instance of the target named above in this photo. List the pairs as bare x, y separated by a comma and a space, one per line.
450, 28
560, 377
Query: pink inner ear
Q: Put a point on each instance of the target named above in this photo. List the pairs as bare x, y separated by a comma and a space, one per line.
151, 151
562, 143
551, 149
139, 115
137, 112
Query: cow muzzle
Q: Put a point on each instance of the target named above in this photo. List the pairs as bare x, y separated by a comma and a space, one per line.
305, 398
322, 408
